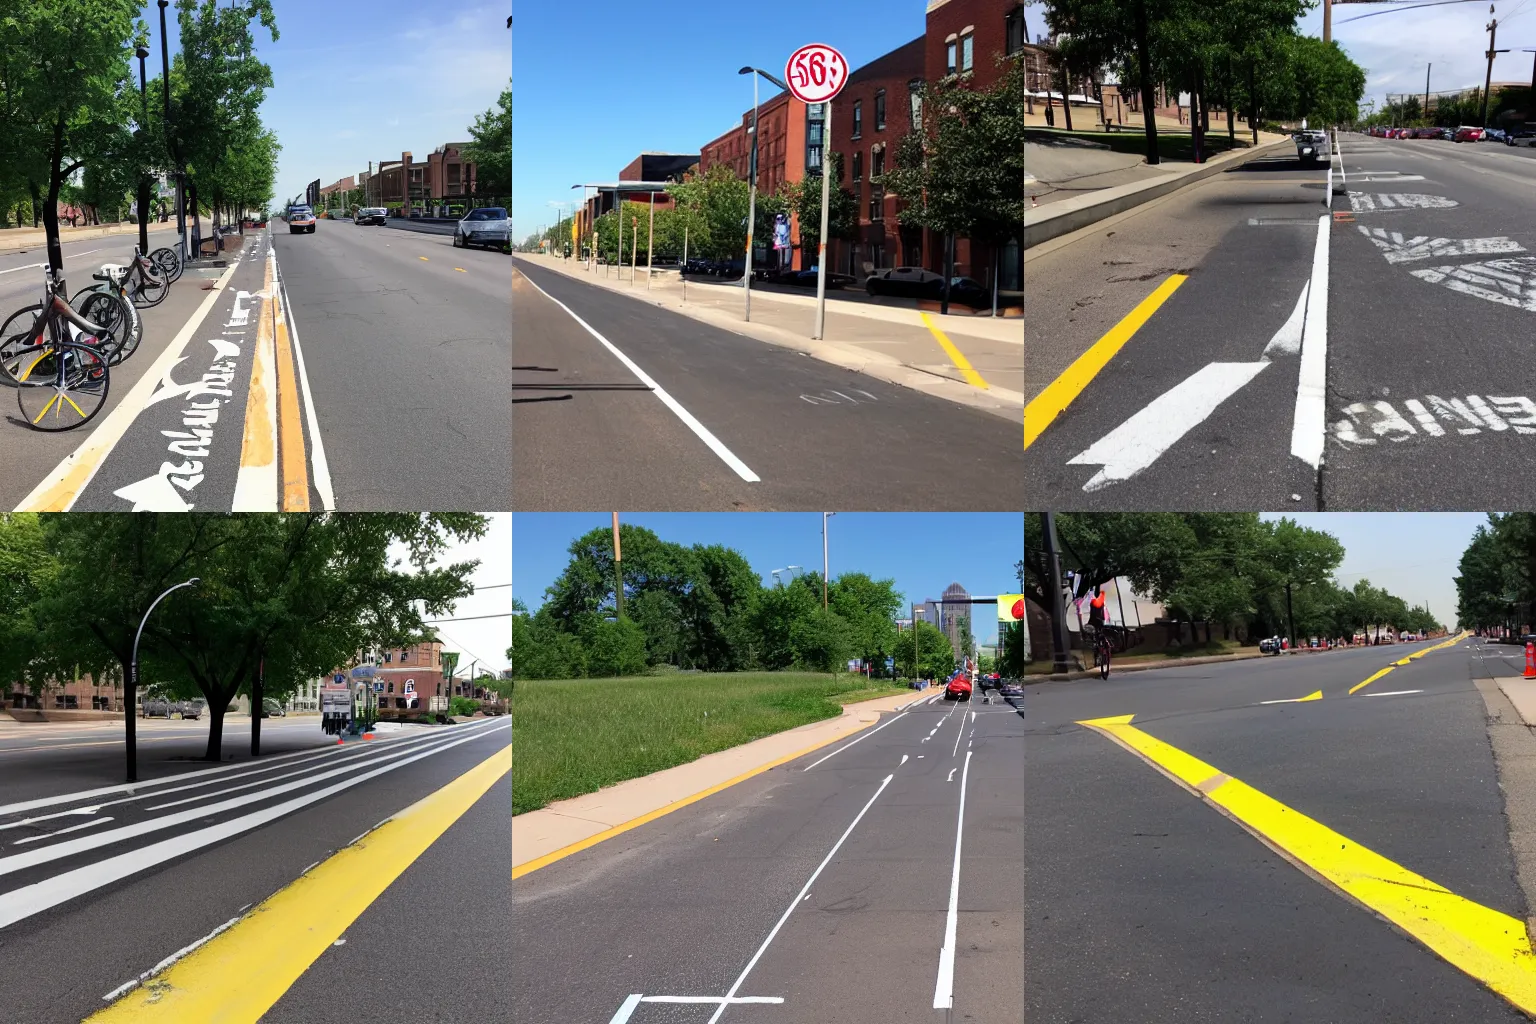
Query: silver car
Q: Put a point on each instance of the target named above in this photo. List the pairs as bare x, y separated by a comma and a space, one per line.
487, 226
372, 215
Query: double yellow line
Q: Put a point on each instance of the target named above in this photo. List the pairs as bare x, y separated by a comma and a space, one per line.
273, 466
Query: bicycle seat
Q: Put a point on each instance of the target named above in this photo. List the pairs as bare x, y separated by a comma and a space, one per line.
112, 272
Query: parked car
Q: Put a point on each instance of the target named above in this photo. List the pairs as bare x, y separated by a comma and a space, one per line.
907, 282
1468, 133
1493, 135
487, 226
157, 707
1013, 688
807, 278
300, 218
372, 215
191, 708
1520, 137
958, 687
1269, 645
271, 708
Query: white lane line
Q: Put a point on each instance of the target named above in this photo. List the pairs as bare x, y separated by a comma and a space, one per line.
903, 760
22, 903
714, 443
1141, 440
133, 983
1309, 425
63, 831
320, 467
25, 266
944, 986
628, 1008
1393, 693
958, 733
861, 739
795, 902
1287, 340
75, 255
712, 999
952, 775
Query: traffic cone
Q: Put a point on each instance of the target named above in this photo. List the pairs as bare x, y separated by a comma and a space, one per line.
1530, 660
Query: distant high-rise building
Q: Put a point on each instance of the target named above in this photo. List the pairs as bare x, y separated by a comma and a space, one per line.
956, 607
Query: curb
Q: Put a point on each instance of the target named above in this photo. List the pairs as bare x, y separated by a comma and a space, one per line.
1140, 667
1057, 219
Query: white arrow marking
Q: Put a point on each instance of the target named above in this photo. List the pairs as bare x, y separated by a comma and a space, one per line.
1141, 440
1510, 282
153, 494
1287, 340
1402, 250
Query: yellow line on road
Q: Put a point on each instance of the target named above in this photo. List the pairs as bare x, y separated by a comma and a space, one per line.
290, 434
1491, 946
972, 378
1403, 661
461, 270
1372, 679
1042, 411
423, 259
238, 976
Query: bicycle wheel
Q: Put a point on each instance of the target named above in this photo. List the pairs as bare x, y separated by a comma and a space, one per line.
118, 319
1103, 663
61, 386
18, 332
169, 262
146, 292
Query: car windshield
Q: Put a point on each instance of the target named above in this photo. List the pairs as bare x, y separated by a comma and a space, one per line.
299, 211
488, 213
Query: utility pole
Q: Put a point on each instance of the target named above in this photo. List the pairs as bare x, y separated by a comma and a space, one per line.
824, 517
1058, 606
1493, 28
1426, 91
1327, 21
618, 564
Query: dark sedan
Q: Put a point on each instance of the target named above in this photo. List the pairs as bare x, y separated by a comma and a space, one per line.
372, 215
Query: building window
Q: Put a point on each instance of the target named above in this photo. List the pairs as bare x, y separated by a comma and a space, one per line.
949, 58
858, 118
1013, 30
880, 111
391, 685
876, 204
915, 97
858, 165
966, 42
878, 162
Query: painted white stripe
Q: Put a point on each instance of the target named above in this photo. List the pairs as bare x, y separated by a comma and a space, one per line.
320, 466
861, 739
1393, 693
958, 734
73, 828
944, 986
1312, 382
714, 443
1287, 340
1141, 440
795, 902
628, 1008
32, 899
712, 999
163, 964
26, 266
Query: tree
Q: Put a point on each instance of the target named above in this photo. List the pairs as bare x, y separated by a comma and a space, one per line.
27, 570
925, 652
803, 197
542, 650
615, 648
714, 205
490, 149
296, 593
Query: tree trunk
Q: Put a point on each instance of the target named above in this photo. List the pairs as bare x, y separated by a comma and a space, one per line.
1231, 107
1066, 95
37, 202
257, 694
1148, 90
1253, 106
51, 208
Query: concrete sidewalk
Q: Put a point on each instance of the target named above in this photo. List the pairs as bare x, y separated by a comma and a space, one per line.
540, 833
1522, 694
894, 343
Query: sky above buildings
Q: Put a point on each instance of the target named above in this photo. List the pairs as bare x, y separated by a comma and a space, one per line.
1412, 554
361, 80
922, 552
598, 85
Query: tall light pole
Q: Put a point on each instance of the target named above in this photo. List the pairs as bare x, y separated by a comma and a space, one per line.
133, 683
746, 276
618, 572
142, 52
824, 517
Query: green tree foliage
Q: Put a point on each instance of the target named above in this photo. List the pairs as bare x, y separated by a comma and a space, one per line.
490, 148
1496, 584
924, 652
803, 198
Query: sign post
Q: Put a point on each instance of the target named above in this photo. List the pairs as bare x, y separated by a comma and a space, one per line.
816, 73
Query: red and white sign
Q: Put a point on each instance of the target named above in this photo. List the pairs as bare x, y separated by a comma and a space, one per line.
816, 72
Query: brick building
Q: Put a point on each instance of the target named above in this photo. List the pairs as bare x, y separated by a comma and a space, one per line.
788, 147
426, 188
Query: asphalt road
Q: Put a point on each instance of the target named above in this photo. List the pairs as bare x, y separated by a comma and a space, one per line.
406, 341
733, 424
1407, 389
824, 887
145, 874
1147, 903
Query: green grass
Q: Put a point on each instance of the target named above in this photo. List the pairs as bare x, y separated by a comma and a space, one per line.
576, 736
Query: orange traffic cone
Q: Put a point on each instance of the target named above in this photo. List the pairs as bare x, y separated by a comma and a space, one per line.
1530, 660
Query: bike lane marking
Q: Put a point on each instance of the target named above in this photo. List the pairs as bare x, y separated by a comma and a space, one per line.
1486, 944
256, 478
61, 488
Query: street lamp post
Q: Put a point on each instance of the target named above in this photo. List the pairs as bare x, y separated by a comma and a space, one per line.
133, 682
165, 76
142, 52
746, 275
824, 517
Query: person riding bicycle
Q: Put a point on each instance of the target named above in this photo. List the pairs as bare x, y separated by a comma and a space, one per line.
1096, 610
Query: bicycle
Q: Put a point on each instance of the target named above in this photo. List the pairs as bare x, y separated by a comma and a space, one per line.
1103, 651
170, 261
119, 321
59, 364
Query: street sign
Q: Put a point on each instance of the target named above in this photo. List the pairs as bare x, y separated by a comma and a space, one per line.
816, 72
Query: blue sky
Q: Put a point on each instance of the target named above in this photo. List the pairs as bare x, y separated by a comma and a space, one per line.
1412, 554
593, 92
924, 552
361, 80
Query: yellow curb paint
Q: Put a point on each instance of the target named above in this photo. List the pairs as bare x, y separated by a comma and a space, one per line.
290, 434
1316, 695
1491, 946
240, 974
972, 378
1060, 393
527, 867
1372, 679
256, 476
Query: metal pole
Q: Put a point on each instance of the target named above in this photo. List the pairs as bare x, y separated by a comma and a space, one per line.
746, 277
133, 682
826, 191
618, 212
1058, 607
824, 561
618, 571
650, 242
1493, 31
683, 275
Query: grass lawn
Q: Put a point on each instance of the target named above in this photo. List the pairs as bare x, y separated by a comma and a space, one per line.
575, 736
